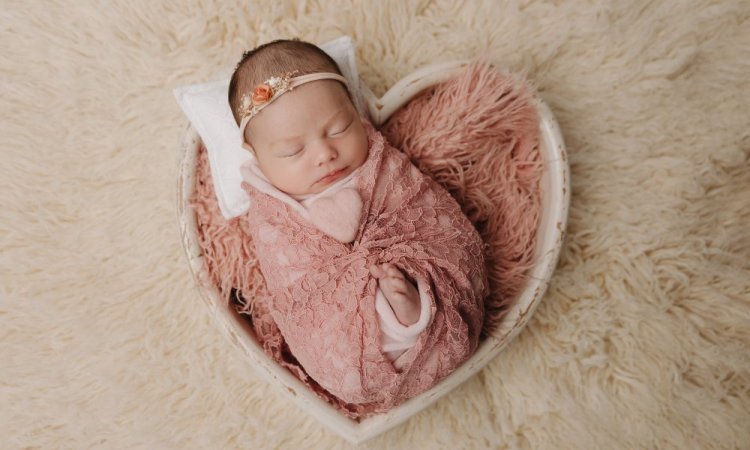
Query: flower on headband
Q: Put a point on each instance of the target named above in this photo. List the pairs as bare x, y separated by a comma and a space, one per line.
251, 103
262, 93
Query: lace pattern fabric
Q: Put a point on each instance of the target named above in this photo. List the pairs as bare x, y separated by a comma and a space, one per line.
322, 296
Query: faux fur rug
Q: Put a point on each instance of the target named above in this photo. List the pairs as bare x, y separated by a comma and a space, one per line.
642, 340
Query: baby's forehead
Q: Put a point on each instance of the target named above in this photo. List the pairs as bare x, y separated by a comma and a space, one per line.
326, 94
315, 106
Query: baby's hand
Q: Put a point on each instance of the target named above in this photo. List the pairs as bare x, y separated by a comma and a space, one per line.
400, 292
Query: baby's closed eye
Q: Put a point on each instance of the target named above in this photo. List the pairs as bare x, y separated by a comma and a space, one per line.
292, 152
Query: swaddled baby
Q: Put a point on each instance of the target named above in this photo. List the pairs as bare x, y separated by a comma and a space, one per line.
376, 278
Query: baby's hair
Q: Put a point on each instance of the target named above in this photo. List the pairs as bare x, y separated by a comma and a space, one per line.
273, 59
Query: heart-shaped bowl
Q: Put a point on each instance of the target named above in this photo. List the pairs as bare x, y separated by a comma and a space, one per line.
555, 199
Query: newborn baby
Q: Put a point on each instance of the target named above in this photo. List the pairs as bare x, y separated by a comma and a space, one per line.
376, 278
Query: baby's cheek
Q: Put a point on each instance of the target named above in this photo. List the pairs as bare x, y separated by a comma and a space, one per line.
361, 144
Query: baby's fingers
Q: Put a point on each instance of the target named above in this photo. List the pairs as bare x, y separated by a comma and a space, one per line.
394, 284
393, 272
377, 271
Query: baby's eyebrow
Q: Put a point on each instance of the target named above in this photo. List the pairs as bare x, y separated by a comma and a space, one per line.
334, 116
285, 140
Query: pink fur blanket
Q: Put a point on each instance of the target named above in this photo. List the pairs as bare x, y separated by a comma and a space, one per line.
477, 136
322, 295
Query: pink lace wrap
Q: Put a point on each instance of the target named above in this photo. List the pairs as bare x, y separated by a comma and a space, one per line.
322, 295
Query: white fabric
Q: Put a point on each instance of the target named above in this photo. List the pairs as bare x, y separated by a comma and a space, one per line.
207, 108
395, 337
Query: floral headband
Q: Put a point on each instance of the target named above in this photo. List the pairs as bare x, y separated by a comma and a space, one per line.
273, 88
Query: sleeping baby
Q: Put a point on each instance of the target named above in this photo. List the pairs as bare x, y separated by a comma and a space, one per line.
376, 278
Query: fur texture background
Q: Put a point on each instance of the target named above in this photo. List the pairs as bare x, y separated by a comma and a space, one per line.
641, 342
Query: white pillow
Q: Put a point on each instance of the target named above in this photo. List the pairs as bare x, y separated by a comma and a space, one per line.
207, 108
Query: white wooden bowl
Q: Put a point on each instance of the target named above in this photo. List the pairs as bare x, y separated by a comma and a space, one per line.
555, 196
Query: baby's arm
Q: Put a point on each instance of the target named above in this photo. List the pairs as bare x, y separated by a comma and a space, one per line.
397, 338
401, 294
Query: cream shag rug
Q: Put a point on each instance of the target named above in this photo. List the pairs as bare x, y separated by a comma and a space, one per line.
641, 342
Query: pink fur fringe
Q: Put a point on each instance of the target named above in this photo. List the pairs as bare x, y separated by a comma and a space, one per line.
477, 135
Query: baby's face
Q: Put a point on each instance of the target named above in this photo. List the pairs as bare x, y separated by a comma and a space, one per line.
308, 138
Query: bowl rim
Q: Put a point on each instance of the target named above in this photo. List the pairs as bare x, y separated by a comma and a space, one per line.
550, 233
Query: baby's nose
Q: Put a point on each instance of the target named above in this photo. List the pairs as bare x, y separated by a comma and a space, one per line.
326, 153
